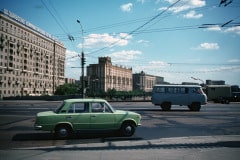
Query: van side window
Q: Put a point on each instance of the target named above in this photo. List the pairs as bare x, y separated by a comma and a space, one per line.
170, 90
183, 90
160, 89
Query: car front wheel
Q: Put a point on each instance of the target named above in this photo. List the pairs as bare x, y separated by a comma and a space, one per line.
128, 129
63, 131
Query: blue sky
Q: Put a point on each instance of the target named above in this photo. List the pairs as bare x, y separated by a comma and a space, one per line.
155, 36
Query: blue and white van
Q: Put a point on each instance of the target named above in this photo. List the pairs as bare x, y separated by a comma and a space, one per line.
189, 95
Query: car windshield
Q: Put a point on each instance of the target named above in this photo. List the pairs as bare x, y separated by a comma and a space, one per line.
60, 107
112, 108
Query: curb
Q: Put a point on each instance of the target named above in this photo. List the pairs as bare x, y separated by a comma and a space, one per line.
232, 141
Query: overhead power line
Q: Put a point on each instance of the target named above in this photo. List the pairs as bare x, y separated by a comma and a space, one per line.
225, 2
200, 71
137, 29
61, 25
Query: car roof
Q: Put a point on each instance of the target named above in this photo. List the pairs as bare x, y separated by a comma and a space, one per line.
85, 100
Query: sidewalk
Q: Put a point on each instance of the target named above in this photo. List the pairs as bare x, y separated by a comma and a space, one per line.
200, 147
162, 143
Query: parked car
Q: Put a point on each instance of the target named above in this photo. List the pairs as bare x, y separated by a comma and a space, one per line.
88, 115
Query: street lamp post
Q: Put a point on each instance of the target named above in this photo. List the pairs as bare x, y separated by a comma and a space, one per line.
198, 79
83, 60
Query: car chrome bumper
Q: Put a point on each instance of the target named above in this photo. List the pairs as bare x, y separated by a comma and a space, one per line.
37, 127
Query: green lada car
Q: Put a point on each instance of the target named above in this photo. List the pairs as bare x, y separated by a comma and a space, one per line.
86, 115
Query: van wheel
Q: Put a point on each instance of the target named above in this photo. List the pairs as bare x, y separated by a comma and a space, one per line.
166, 106
195, 106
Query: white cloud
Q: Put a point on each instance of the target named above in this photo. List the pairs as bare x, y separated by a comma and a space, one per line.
207, 46
71, 55
159, 63
192, 14
215, 28
126, 7
233, 30
220, 69
125, 35
184, 5
234, 60
124, 55
152, 67
143, 42
218, 28
141, 1
72, 60
106, 40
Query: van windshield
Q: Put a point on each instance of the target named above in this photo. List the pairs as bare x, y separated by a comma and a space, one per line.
198, 90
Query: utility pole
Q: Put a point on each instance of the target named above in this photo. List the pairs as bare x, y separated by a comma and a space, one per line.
83, 61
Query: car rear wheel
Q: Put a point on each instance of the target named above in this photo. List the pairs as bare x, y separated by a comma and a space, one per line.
63, 131
127, 129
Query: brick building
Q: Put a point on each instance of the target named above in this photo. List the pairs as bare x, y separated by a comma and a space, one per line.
32, 62
104, 76
145, 82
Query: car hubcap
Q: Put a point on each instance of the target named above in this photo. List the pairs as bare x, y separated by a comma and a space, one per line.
63, 132
128, 129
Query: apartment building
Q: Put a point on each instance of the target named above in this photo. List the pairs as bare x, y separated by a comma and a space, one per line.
32, 62
145, 82
105, 75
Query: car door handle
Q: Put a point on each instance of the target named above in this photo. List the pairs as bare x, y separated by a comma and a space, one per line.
93, 116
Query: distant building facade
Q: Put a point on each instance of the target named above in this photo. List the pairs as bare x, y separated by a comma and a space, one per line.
32, 62
70, 81
105, 75
145, 82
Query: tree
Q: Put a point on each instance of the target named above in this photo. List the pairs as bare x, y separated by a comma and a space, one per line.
111, 92
66, 89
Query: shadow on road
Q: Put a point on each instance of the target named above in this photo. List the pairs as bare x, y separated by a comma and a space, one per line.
33, 136
160, 110
77, 136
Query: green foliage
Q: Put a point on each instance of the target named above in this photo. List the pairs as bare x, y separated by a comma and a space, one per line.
66, 89
111, 92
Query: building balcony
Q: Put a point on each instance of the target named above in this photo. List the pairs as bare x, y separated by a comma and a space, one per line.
9, 81
11, 51
17, 82
25, 89
25, 55
10, 66
11, 58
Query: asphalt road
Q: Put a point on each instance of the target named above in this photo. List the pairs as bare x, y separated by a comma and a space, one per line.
17, 119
